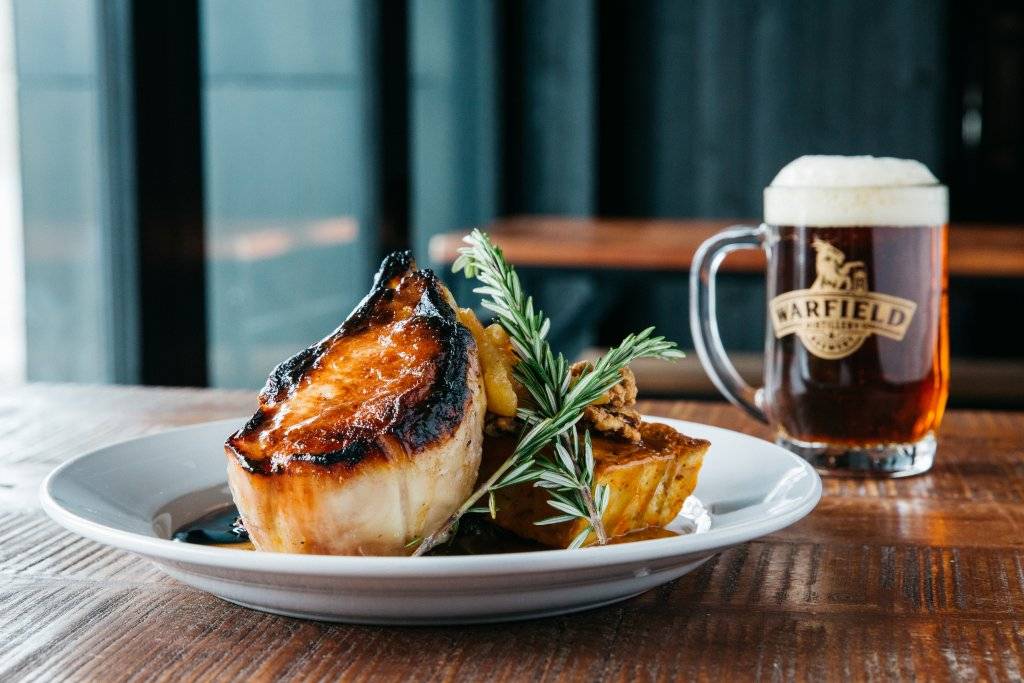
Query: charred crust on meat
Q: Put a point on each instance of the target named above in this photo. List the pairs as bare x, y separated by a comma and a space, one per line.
288, 373
354, 452
414, 421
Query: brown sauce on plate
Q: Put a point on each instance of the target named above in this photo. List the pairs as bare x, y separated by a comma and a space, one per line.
222, 528
475, 535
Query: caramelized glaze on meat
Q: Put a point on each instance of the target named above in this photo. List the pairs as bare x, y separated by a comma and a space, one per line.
366, 438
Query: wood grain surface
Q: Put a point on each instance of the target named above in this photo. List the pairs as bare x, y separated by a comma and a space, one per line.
975, 250
914, 579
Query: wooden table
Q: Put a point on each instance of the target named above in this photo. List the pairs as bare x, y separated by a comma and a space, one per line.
916, 578
975, 250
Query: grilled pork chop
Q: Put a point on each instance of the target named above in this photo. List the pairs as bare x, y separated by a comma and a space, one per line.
372, 436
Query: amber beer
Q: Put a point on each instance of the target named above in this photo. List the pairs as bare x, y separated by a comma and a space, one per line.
892, 387
856, 350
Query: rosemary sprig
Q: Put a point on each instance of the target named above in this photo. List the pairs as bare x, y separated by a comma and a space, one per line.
558, 401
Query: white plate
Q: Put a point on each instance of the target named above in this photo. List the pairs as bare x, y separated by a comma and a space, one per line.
132, 495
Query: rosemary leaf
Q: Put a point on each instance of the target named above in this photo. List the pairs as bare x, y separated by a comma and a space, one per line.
578, 541
568, 509
557, 519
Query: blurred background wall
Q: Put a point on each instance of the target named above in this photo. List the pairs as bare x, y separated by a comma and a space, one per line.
12, 283
206, 186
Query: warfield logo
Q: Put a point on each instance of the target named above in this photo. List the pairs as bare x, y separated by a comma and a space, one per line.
837, 313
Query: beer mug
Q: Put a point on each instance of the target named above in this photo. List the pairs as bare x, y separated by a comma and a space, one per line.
857, 347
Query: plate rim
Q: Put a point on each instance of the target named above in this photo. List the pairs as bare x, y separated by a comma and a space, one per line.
353, 566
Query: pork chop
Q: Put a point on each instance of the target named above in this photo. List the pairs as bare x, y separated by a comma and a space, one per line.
371, 437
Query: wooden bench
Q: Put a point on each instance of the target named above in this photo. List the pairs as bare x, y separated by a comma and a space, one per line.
975, 250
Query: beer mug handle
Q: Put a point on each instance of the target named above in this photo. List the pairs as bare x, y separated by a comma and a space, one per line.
704, 323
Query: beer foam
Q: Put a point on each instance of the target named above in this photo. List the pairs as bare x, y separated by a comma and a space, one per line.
837, 191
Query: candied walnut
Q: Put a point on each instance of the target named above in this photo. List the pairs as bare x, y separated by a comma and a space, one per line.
623, 394
614, 414
623, 423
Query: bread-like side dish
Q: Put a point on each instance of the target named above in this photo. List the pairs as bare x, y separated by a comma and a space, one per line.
371, 437
648, 481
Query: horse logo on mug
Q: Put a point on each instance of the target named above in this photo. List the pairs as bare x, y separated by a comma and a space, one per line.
838, 313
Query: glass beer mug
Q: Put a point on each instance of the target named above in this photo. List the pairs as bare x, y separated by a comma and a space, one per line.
857, 348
